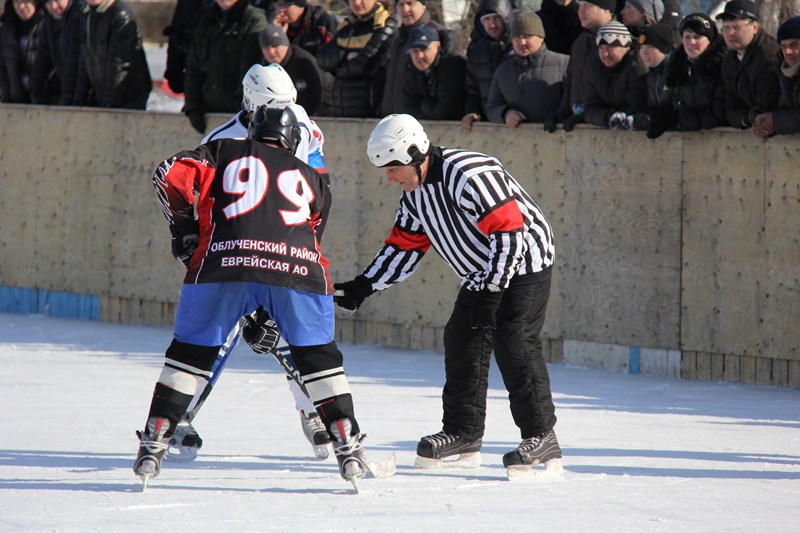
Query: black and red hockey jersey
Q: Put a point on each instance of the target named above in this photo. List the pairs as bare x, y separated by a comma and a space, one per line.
258, 209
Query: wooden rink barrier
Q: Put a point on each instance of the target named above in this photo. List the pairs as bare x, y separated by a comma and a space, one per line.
676, 257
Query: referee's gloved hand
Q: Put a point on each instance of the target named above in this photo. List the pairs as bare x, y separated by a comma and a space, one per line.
351, 294
483, 314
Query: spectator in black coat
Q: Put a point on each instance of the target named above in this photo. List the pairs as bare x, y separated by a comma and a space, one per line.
55, 72
750, 68
617, 86
307, 26
299, 65
786, 118
180, 33
655, 46
490, 46
357, 58
20, 25
561, 24
694, 80
527, 87
411, 13
593, 14
433, 84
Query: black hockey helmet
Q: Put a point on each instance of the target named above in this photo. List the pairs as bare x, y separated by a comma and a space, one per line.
275, 125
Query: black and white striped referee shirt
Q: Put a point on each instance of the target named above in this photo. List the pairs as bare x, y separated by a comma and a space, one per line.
477, 218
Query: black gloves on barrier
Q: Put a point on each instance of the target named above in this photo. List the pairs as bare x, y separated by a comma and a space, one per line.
261, 332
570, 121
484, 309
198, 120
550, 123
661, 121
351, 294
185, 238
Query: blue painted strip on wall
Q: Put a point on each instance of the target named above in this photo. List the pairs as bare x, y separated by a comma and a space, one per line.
634, 358
53, 303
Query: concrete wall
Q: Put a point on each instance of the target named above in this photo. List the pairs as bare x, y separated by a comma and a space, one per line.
674, 257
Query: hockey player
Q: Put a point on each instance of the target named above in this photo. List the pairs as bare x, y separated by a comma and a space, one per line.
269, 86
488, 229
255, 243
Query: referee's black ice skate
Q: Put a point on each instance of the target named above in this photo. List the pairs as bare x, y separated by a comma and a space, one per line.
349, 452
153, 444
444, 450
542, 450
184, 443
317, 435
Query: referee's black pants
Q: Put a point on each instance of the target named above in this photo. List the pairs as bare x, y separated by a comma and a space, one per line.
518, 351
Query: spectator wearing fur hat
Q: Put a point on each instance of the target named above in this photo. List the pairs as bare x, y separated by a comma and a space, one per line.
527, 87
655, 46
433, 81
299, 65
561, 24
617, 85
593, 15
786, 118
307, 26
750, 68
490, 46
411, 13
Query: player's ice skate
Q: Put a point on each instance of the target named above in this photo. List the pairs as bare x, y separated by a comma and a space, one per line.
184, 443
317, 435
443, 450
152, 449
348, 450
535, 459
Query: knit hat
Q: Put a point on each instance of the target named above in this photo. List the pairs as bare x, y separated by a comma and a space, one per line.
608, 5
421, 36
649, 8
526, 22
659, 36
739, 9
790, 29
615, 34
700, 24
272, 35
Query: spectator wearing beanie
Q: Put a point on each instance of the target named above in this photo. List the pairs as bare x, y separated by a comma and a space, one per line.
490, 45
411, 13
616, 84
655, 45
299, 65
636, 14
786, 118
527, 87
593, 14
433, 81
750, 68
308, 26
694, 80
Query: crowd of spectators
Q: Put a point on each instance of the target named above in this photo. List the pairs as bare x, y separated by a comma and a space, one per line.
632, 65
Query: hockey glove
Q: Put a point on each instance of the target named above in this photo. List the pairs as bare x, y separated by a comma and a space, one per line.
484, 309
351, 294
184, 242
261, 332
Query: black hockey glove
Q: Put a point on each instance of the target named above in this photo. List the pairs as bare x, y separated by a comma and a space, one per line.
184, 241
484, 309
261, 332
351, 294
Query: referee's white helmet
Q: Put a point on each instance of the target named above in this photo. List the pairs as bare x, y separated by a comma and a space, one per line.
270, 86
397, 140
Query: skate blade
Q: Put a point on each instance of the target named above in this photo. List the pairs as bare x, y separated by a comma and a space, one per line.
553, 471
145, 480
322, 451
183, 454
385, 468
465, 460
354, 481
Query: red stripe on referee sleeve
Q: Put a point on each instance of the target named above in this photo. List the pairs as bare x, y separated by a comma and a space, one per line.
408, 241
505, 218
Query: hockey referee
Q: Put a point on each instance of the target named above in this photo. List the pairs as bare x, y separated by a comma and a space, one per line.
481, 221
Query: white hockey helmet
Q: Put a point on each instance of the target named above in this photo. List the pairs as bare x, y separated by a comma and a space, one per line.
270, 86
398, 140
